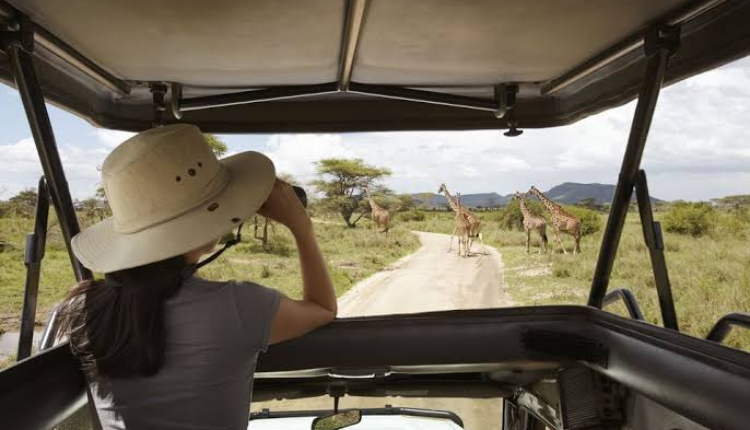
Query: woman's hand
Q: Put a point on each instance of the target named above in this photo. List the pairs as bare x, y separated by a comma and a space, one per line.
318, 305
283, 206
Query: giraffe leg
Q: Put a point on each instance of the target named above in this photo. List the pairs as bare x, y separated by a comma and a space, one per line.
450, 246
528, 239
577, 248
557, 236
543, 245
562, 245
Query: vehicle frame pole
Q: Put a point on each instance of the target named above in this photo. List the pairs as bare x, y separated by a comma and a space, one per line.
655, 243
33, 255
661, 42
32, 97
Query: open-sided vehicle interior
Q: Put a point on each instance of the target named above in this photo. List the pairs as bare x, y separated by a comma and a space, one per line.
382, 65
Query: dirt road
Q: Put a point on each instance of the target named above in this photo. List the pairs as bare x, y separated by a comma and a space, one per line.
428, 280
431, 280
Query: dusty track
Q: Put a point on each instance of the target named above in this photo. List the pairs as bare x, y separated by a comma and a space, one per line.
428, 280
431, 280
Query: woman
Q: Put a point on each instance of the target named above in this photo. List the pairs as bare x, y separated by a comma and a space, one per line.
164, 349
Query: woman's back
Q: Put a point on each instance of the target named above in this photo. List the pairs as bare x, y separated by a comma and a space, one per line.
214, 331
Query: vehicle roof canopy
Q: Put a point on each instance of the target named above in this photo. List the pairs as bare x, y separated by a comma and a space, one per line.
337, 65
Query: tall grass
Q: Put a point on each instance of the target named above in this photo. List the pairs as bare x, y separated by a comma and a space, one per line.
710, 274
351, 254
56, 276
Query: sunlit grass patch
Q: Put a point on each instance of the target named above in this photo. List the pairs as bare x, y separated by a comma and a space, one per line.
352, 255
710, 274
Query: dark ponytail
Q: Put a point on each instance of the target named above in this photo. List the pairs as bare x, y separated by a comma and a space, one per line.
116, 326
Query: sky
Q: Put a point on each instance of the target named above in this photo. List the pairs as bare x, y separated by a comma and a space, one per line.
698, 148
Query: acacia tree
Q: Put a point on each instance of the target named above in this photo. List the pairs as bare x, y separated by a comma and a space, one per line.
340, 182
217, 145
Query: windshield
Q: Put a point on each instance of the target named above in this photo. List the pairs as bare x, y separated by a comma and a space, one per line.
384, 207
385, 412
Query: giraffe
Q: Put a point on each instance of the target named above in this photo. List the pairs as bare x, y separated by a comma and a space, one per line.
562, 221
474, 222
380, 216
532, 222
463, 228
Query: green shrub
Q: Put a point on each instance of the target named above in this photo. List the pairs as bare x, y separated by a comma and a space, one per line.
511, 218
412, 215
591, 221
695, 219
734, 222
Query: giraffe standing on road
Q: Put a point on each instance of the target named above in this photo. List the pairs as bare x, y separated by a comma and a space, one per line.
475, 225
380, 216
562, 221
463, 227
532, 222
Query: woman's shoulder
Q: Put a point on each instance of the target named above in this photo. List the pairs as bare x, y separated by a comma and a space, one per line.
198, 288
195, 288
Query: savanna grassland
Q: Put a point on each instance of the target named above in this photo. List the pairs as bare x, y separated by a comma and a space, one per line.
352, 254
710, 273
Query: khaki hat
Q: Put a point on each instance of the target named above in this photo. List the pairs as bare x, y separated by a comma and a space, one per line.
169, 194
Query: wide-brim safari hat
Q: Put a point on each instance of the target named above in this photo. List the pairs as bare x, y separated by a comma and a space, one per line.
169, 194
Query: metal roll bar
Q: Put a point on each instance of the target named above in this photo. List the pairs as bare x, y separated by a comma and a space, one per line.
51, 43
32, 97
256, 96
628, 299
624, 47
36, 243
722, 328
661, 43
408, 94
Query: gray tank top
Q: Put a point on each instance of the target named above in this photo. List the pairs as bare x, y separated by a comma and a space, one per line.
214, 333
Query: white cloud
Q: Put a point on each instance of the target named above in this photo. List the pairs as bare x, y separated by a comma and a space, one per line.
296, 153
112, 138
23, 168
698, 148
698, 137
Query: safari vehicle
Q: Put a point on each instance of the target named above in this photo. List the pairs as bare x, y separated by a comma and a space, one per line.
385, 65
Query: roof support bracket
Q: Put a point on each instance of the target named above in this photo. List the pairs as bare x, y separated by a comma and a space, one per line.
662, 38
23, 38
176, 98
510, 91
159, 90
501, 97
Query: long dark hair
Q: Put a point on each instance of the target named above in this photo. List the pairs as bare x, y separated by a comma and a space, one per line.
116, 325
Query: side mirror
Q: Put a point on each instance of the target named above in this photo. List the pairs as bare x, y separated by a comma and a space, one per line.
338, 421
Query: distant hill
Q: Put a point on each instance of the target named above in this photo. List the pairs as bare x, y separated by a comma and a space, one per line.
567, 193
571, 193
485, 200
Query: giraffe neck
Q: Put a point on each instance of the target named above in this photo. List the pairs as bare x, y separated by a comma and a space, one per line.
549, 204
372, 203
451, 202
524, 208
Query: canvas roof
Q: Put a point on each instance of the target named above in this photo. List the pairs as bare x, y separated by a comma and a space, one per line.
569, 58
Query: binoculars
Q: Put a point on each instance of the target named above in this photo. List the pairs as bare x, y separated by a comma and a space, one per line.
301, 195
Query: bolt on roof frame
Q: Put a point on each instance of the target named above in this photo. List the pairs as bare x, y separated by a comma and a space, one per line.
19, 45
661, 43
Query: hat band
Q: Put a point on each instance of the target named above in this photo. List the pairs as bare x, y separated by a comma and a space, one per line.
213, 188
